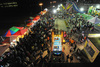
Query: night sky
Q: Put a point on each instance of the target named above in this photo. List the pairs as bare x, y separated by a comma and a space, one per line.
16, 16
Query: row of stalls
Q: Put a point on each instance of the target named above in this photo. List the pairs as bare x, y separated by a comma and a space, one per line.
14, 33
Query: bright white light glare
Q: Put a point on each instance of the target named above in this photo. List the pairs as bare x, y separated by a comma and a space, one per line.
98, 6
60, 4
46, 9
11, 43
94, 35
53, 6
14, 40
54, 11
81, 9
58, 9
77, 0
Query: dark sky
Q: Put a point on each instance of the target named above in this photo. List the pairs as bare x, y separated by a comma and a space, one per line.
24, 6
17, 15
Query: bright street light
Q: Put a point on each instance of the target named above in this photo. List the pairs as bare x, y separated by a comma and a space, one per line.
98, 6
41, 4
81, 9
54, 11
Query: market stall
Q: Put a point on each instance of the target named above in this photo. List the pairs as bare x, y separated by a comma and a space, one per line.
11, 31
4, 48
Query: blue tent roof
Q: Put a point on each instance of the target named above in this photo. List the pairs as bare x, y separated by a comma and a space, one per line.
12, 32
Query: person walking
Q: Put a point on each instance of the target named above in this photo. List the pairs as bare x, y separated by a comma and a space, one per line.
71, 58
72, 42
67, 58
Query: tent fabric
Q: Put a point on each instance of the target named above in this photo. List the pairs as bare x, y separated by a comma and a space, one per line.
97, 21
7, 34
20, 27
3, 48
13, 37
34, 19
2, 39
6, 40
17, 33
94, 20
11, 31
86, 16
20, 32
29, 24
37, 17
14, 29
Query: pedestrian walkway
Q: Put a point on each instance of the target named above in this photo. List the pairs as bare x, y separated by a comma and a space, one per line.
67, 47
60, 24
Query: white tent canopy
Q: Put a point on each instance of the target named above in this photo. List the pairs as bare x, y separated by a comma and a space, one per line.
94, 20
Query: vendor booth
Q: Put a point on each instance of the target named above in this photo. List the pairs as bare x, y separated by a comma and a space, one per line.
36, 19
4, 48
11, 31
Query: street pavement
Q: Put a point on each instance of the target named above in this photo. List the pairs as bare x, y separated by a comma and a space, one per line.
59, 24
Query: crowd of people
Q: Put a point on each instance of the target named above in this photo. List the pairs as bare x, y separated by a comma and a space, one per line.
39, 40
28, 48
79, 29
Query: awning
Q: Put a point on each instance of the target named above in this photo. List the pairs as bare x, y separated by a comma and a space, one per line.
20, 32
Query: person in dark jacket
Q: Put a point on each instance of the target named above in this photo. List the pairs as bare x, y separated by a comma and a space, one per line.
71, 58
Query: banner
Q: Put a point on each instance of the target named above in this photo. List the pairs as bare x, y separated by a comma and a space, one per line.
69, 6
63, 7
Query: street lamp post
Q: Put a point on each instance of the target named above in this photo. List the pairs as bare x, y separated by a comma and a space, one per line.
41, 4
